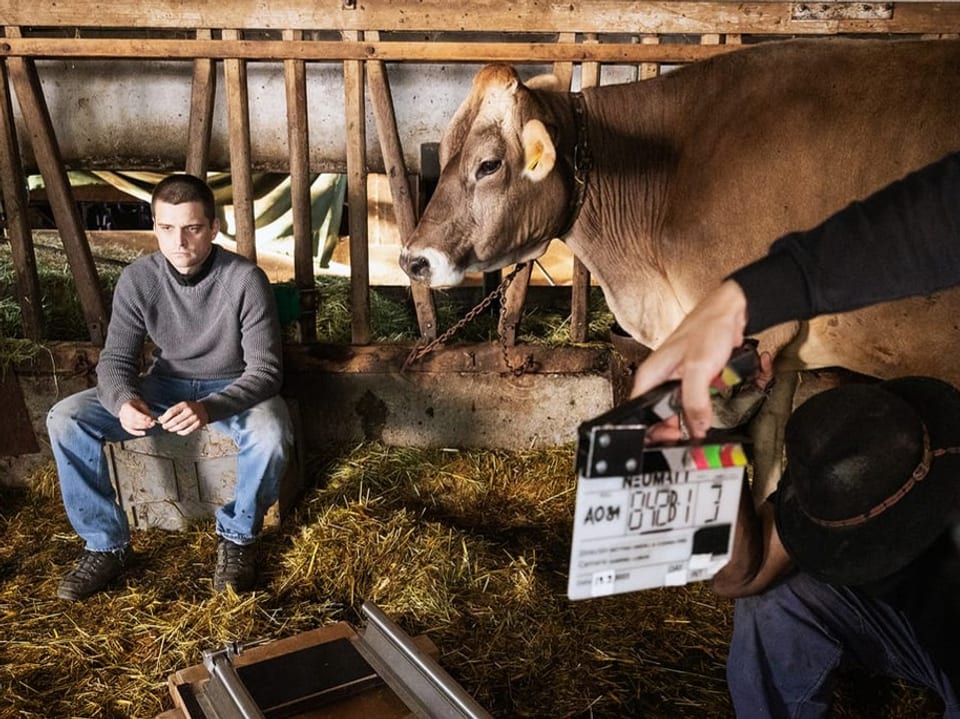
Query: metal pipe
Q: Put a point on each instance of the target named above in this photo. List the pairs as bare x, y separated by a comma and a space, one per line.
224, 684
445, 687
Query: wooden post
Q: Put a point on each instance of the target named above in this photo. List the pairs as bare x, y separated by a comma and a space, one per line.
403, 207
18, 227
202, 92
580, 291
298, 139
649, 70
36, 116
241, 178
353, 72
513, 300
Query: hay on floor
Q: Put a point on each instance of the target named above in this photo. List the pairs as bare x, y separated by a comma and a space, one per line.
468, 547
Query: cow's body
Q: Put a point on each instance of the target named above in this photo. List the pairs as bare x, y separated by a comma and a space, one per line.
694, 174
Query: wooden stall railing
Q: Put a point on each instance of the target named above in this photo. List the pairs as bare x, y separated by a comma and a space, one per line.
591, 33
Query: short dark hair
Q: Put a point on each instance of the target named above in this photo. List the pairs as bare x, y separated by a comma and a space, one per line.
177, 189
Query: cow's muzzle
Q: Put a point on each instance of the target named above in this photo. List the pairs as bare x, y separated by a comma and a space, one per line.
417, 267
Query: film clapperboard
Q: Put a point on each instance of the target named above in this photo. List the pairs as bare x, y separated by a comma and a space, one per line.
655, 516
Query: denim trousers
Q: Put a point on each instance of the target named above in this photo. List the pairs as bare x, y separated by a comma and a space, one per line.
79, 425
789, 642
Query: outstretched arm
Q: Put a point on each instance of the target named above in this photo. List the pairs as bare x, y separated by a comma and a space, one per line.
903, 240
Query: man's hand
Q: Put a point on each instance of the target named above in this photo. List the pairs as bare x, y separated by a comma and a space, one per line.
184, 418
674, 429
135, 417
697, 352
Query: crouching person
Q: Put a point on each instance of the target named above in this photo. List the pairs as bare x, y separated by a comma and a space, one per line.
853, 561
217, 360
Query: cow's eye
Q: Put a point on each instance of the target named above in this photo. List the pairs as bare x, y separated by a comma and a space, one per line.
487, 167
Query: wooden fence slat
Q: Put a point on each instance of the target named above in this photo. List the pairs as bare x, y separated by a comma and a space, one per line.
649, 70
298, 139
36, 117
353, 72
241, 174
564, 69
14, 194
396, 169
200, 125
513, 299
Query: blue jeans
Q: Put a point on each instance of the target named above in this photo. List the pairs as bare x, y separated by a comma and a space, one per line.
79, 425
789, 641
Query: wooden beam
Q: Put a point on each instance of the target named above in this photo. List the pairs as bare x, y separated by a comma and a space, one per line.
357, 197
241, 175
320, 51
202, 92
298, 139
36, 117
396, 170
467, 358
667, 17
15, 200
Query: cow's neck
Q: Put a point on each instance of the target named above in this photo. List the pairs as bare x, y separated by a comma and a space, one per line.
617, 230
581, 161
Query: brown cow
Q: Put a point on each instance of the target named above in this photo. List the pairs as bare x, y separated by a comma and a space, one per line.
662, 187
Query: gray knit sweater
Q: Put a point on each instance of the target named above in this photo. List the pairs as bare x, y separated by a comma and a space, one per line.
224, 326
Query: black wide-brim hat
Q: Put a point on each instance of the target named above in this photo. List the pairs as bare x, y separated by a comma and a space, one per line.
847, 511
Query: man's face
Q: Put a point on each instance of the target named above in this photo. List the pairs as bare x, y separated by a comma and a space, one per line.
184, 234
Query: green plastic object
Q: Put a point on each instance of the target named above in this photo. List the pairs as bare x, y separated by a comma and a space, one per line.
288, 302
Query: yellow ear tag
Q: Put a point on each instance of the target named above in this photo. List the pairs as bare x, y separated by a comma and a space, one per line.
535, 160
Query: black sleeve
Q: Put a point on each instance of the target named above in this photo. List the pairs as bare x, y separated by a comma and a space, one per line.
903, 240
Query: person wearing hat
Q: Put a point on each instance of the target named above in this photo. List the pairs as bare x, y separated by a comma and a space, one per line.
853, 561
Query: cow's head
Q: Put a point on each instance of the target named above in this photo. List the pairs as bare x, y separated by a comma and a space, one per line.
502, 195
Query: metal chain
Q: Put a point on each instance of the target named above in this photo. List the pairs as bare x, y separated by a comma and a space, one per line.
422, 351
527, 362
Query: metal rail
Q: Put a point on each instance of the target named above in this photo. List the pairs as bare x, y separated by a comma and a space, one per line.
423, 685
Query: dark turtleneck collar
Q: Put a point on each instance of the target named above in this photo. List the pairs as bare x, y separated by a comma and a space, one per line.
196, 277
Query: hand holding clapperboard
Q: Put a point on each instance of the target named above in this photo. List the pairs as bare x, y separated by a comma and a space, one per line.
657, 515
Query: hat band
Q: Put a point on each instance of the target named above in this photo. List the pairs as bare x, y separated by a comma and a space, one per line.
918, 475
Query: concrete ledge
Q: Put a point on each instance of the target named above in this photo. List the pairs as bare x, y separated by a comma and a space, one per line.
458, 396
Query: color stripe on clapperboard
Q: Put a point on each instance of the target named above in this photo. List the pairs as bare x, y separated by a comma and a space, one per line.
726, 379
684, 458
711, 456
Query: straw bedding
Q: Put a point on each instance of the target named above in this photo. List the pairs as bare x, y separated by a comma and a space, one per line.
467, 547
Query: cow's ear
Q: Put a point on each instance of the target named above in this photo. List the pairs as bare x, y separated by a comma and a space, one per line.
539, 153
548, 82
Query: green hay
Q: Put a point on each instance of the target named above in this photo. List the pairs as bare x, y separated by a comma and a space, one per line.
392, 313
467, 547
15, 351
63, 315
